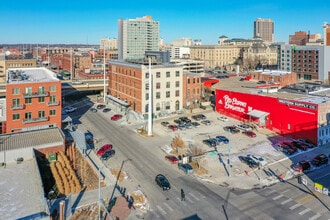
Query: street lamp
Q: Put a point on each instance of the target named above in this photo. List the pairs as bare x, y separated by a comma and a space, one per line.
104, 72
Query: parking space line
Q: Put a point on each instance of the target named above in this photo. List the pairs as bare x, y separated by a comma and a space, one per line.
161, 210
195, 197
304, 211
187, 198
286, 201
277, 197
315, 216
295, 206
165, 204
183, 203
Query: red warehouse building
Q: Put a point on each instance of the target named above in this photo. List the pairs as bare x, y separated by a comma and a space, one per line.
295, 115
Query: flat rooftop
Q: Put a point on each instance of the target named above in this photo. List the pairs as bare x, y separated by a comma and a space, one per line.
30, 75
252, 87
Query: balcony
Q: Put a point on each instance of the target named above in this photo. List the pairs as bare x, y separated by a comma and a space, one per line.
35, 94
17, 107
33, 120
53, 103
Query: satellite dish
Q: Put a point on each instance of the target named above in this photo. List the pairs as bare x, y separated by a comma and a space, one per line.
7, 53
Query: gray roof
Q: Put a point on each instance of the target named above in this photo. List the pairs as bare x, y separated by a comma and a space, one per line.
30, 75
36, 139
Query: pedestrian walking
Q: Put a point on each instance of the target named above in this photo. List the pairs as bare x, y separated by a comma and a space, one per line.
183, 196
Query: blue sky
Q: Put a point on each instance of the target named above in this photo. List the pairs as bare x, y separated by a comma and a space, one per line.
86, 22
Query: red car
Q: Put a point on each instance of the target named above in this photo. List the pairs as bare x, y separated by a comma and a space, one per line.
173, 127
172, 158
116, 117
249, 134
103, 149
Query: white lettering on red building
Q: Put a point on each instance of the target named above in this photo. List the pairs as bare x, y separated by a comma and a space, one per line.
233, 104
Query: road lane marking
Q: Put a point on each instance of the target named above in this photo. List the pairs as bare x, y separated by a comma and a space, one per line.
195, 197
277, 197
165, 204
295, 206
304, 211
286, 201
161, 210
315, 216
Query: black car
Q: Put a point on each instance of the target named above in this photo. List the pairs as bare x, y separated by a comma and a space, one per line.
211, 142
300, 145
108, 154
185, 119
198, 117
100, 106
319, 160
231, 129
179, 121
249, 161
163, 182
286, 149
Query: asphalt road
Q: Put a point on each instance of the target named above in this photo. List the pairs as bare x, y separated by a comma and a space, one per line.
143, 159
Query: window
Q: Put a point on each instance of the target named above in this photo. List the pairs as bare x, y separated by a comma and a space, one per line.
147, 75
16, 116
16, 91
28, 90
41, 99
168, 85
157, 95
41, 114
188, 81
52, 112
52, 88
147, 86
177, 83
157, 74
168, 94
52, 98
28, 100
16, 102
177, 73
157, 107
28, 115
41, 90
158, 85
147, 96
168, 74
177, 93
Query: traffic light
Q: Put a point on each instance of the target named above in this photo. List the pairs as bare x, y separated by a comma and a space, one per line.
299, 180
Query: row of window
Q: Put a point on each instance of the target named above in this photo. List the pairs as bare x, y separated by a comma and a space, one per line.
17, 101
28, 90
13, 65
158, 74
167, 94
28, 115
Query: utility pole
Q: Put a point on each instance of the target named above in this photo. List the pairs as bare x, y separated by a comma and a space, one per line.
104, 73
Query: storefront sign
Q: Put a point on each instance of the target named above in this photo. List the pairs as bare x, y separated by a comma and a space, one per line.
298, 104
233, 104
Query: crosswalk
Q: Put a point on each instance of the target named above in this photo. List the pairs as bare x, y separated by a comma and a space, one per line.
290, 203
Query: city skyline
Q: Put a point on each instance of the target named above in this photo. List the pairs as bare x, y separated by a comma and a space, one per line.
80, 22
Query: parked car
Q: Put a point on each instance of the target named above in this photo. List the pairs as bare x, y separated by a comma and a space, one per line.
301, 166
172, 158
206, 122
307, 142
185, 119
179, 121
188, 125
69, 109
261, 82
100, 106
211, 142
231, 129
286, 149
195, 124
222, 139
165, 123
103, 149
300, 145
182, 126
222, 118
173, 127
247, 160
106, 110
249, 134
116, 117
258, 159
108, 154
93, 110
320, 160
198, 117
244, 127
186, 168
163, 182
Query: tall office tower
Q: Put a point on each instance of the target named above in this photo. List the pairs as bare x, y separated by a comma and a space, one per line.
264, 28
326, 34
135, 36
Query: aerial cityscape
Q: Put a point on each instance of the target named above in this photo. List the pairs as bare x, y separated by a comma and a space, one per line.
219, 110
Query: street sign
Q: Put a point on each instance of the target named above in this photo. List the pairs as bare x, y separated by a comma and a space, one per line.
304, 181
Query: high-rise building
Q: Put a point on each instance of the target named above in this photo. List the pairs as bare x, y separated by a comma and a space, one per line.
264, 28
135, 36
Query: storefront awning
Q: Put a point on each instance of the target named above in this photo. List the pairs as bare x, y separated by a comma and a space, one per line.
257, 113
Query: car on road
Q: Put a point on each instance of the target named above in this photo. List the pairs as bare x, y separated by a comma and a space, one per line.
116, 117
165, 123
108, 154
231, 129
100, 106
320, 160
93, 110
103, 149
244, 127
300, 145
195, 124
163, 182
222, 118
206, 122
258, 159
69, 109
249, 134
211, 142
301, 166
173, 127
106, 110
222, 139
186, 168
172, 158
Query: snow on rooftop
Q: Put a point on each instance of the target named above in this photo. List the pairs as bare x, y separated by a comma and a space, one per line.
274, 72
28, 75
